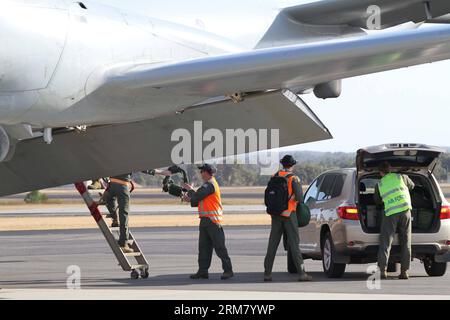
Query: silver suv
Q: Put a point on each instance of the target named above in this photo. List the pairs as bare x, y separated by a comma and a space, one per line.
345, 221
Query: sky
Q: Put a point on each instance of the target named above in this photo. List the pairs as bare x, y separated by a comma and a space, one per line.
407, 105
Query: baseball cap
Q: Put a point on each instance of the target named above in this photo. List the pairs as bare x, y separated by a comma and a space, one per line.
208, 168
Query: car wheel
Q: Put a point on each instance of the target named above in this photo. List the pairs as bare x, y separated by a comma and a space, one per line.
330, 267
435, 269
290, 262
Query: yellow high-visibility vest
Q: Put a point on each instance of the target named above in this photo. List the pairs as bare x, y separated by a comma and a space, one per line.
395, 194
211, 206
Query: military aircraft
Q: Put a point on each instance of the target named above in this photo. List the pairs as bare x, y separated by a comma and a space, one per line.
89, 90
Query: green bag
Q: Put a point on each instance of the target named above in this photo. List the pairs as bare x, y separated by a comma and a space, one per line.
303, 215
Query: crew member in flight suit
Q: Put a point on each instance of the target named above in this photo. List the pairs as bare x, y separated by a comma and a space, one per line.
119, 191
208, 200
120, 188
286, 224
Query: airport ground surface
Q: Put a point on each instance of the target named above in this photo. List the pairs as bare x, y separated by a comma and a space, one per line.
33, 264
68, 194
39, 242
243, 195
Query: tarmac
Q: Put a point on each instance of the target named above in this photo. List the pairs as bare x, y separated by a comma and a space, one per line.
34, 265
77, 216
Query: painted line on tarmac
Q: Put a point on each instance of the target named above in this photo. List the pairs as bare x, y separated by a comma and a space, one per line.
76, 210
95, 294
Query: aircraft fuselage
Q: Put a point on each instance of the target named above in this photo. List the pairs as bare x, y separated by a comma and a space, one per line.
54, 50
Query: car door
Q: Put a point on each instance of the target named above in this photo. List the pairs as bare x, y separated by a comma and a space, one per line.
308, 243
327, 200
324, 204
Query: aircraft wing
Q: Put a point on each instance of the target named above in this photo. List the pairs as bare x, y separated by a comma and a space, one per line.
114, 149
178, 85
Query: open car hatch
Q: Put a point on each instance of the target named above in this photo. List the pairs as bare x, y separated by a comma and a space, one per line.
401, 156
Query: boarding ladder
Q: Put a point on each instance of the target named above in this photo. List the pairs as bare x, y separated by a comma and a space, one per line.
141, 266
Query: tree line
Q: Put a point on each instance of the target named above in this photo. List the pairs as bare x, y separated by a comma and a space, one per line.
310, 165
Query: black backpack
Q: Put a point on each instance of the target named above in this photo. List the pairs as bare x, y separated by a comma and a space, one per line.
276, 196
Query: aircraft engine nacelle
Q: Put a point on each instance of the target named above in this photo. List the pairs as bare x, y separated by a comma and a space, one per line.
6, 147
328, 90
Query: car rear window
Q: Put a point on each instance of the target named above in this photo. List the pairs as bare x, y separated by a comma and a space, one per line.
331, 187
338, 185
419, 159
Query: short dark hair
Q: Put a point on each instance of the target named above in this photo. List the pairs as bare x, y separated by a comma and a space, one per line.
384, 167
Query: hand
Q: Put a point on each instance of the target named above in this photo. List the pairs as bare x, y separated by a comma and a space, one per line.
188, 187
186, 198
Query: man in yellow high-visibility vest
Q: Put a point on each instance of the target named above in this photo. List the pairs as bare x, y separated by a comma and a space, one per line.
393, 192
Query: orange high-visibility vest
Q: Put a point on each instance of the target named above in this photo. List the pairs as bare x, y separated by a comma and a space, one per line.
211, 206
292, 204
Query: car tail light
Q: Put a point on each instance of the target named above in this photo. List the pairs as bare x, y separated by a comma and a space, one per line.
445, 212
348, 213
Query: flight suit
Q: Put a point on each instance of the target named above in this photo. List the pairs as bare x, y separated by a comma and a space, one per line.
211, 234
120, 192
400, 222
288, 226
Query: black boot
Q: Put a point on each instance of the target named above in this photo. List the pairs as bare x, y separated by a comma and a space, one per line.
199, 275
227, 275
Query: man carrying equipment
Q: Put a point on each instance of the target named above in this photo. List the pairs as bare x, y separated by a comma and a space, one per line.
208, 200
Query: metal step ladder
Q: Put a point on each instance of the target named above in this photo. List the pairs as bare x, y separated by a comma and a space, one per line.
141, 266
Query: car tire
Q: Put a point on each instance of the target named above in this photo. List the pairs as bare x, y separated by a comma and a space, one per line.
330, 267
290, 263
435, 269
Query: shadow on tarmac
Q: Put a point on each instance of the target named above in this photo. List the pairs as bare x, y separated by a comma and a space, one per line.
180, 280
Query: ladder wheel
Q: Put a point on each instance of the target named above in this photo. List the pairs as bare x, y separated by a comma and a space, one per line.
134, 275
145, 274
